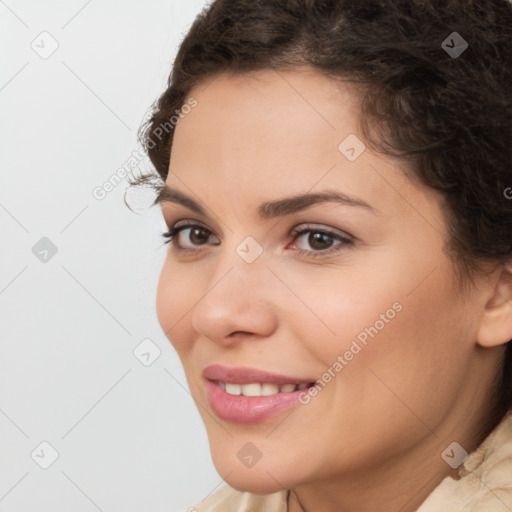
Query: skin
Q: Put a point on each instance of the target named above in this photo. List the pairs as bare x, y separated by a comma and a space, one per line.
372, 438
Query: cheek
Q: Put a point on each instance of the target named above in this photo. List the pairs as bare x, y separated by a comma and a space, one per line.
430, 341
341, 310
175, 298
410, 331
415, 353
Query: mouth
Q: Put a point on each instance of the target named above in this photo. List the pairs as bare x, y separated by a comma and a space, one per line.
247, 395
260, 388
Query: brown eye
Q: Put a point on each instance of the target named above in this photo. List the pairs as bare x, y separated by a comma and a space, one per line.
198, 235
320, 241
187, 236
313, 241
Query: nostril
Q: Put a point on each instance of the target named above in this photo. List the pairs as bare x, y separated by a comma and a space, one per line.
237, 333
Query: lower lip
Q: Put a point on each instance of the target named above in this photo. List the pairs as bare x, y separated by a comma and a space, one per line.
248, 409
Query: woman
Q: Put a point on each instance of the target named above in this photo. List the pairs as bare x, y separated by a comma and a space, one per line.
336, 180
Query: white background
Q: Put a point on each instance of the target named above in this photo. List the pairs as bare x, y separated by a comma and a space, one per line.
128, 436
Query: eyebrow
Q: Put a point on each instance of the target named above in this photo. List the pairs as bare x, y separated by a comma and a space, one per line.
269, 209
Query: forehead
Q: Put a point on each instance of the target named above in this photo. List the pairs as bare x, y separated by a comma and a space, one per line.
258, 136
283, 108
271, 126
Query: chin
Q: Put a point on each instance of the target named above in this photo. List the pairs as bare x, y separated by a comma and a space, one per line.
255, 483
262, 478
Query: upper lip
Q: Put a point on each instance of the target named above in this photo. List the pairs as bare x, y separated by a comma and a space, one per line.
245, 375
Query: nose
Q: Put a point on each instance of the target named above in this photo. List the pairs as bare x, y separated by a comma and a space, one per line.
237, 302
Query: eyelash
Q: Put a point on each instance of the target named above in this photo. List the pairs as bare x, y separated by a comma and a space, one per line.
170, 237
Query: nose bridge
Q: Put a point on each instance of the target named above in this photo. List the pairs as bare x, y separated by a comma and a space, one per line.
243, 267
236, 297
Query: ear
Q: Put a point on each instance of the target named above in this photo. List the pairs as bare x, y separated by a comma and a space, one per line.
495, 326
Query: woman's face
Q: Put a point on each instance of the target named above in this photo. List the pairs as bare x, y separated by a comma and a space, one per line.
356, 292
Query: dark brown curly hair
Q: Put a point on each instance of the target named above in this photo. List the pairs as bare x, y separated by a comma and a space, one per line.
447, 115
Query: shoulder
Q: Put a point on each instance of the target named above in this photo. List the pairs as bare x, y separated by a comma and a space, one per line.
229, 499
485, 483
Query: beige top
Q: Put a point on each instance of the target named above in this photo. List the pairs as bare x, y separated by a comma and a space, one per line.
485, 484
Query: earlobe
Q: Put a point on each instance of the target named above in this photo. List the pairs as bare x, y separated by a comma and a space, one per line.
496, 323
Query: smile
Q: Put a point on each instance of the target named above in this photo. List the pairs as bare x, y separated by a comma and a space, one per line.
260, 389
246, 395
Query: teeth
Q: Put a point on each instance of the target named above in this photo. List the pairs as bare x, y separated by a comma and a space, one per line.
287, 388
268, 389
251, 389
233, 389
257, 389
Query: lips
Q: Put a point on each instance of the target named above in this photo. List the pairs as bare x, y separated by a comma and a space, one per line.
247, 395
243, 375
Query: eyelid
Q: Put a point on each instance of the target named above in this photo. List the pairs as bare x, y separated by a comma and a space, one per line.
313, 226
322, 228
175, 217
345, 241
182, 225
300, 228
189, 222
